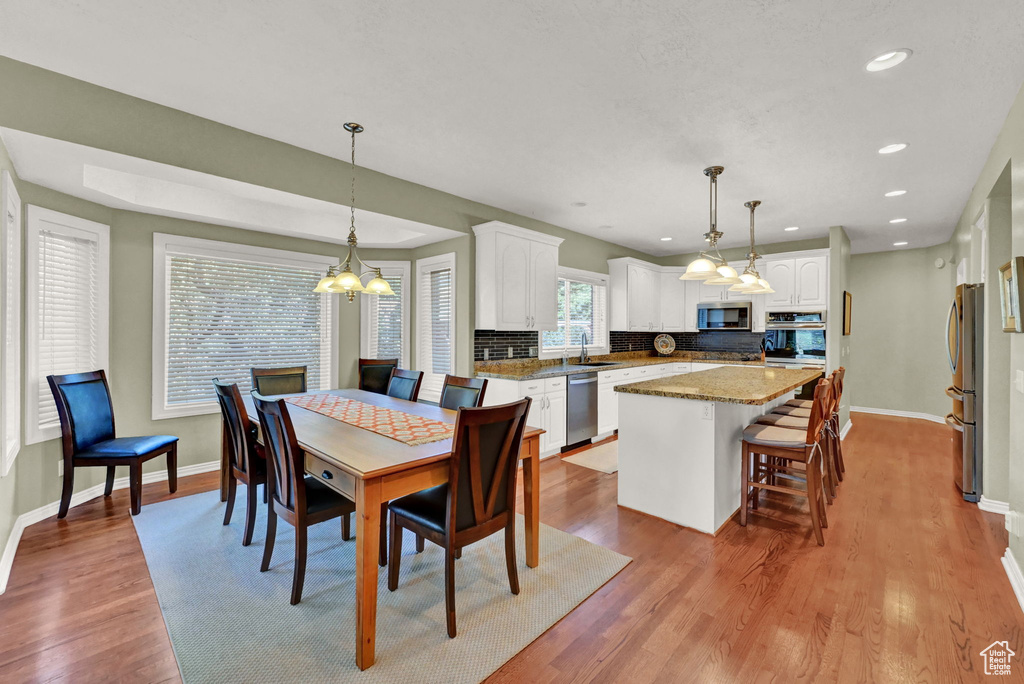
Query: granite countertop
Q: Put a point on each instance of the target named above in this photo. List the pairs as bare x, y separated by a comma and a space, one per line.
534, 369
731, 385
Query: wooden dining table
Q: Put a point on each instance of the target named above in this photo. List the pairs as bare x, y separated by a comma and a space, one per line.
371, 469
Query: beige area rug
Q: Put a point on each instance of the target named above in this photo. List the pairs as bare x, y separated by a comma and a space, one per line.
604, 457
228, 622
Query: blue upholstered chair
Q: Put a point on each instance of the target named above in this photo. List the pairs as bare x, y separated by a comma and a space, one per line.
268, 381
375, 374
462, 392
405, 384
87, 434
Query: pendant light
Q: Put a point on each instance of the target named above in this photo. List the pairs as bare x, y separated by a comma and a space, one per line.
751, 281
345, 280
712, 268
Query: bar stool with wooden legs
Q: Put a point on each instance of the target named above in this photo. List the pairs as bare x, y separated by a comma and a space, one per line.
790, 447
801, 408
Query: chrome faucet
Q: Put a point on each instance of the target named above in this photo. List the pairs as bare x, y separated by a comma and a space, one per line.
583, 348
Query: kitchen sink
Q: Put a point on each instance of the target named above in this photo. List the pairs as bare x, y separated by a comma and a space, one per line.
599, 363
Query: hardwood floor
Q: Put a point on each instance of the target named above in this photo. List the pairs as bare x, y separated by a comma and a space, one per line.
908, 587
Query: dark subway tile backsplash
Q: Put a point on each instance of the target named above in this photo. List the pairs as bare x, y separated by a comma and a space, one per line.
702, 341
497, 343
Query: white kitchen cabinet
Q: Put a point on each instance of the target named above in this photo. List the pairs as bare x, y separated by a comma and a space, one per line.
634, 295
553, 421
690, 303
607, 409
516, 278
781, 276
811, 281
759, 306
673, 301
711, 293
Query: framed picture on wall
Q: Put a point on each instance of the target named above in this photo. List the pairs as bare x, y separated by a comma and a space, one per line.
1011, 291
847, 312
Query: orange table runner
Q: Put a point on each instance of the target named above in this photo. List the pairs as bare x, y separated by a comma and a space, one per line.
398, 425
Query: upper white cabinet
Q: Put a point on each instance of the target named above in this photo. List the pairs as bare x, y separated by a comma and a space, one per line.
782, 278
800, 282
516, 278
673, 301
635, 295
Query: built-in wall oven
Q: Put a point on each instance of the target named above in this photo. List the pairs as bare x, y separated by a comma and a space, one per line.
714, 316
795, 338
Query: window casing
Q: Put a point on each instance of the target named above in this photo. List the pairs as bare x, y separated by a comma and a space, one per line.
10, 318
435, 322
582, 306
384, 320
67, 309
220, 309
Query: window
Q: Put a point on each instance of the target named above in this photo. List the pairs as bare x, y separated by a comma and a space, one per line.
384, 320
10, 314
435, 323
582, 307
67, 309
220, 309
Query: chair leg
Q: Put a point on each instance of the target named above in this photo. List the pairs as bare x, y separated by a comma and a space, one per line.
395, 561
299, 573
268, 544
383, 553
172, 468
230, 506
110, 481
250, 513
449, 589
346, 527
458, 553
67, 490
419, 544
266, 492
135, 480
813, 502
745, 482
756, 460
510, 555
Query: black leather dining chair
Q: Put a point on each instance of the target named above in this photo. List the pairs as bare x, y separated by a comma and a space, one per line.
246, 459
478, 500
462, 392
88, 438
269, 381
405, 384
374, 374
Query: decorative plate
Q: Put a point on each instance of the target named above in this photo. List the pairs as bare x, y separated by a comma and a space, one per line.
664, 344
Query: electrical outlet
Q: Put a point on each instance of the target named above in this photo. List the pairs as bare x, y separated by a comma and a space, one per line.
60, 467
510, 351
709, 411
533, 352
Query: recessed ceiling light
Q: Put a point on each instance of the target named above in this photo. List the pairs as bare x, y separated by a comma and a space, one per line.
895, 147
899, 220
665, 239
579, 204
895, 193
898, 244
889, 60
792, 228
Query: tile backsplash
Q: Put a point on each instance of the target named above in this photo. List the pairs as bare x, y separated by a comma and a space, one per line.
524, 342
497, 342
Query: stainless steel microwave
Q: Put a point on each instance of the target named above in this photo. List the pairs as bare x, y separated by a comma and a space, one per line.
723, 316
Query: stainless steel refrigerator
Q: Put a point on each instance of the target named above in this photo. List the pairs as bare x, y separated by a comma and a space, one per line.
964, 344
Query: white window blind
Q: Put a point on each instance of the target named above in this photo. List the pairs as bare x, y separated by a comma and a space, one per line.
436, 322
229, 308
68, 303
384, 320
582, 307
10, 371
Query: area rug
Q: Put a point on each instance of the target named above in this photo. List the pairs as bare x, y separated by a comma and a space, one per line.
604, 457
228, 622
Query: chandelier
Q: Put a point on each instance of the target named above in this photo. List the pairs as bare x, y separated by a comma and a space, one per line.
344, 280
710, 266
751, 281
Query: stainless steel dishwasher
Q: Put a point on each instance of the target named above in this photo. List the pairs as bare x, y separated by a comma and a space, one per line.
581, 415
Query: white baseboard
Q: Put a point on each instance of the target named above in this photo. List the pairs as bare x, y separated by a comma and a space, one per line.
1016, 577
50, 509
993, 506
901, 414
846, 429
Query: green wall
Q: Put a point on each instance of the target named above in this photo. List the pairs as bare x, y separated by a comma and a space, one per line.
8, 489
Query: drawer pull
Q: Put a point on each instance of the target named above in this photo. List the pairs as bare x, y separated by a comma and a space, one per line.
327, 475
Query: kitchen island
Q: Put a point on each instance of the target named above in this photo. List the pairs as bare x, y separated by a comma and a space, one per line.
679, 439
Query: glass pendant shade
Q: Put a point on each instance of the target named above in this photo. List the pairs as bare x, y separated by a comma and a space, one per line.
700, 269
347, 281
726, 276
325, 283
748, 282
378, 286
765, 287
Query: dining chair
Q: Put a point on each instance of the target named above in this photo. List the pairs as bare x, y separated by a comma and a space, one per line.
405, 384
478, 500
462, 392
769, 450
246, 459
297, 498
374, 374
269, 381
86, 414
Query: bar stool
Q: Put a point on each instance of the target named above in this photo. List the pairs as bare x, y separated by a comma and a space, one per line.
801, 408
791, 447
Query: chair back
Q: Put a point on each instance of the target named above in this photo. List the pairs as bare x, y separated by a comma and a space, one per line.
816, 421
241, 436
482, 469
268, 381
840, 375
85, 409
462, 392
286, 471
374, 374
405, 384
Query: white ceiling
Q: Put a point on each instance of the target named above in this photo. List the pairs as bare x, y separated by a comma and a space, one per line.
123, 182
534, 105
